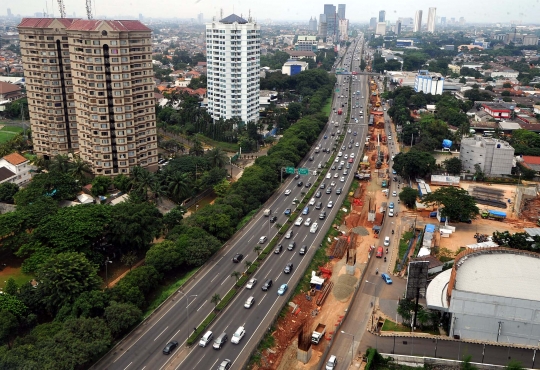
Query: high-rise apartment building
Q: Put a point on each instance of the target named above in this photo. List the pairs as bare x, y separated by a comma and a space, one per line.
90, 90
331, 21
9, 15
341, 11
382, 16
344, 29
398, 27
312, 24
443, 21
432, 17
372, 23
417, 27
200, 18
323, 27
233, 62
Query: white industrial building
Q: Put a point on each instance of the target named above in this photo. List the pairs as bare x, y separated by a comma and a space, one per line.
293, 67
429, 82
381, 28
494, 156
233, 61
492, 295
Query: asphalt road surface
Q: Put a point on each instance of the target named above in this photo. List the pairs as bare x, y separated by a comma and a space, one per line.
177, 318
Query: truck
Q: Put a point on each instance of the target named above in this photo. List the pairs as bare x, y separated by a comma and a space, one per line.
318, 333
340, 112
267, 212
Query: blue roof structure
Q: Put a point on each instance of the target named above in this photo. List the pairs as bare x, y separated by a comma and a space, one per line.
430, 228
233, 18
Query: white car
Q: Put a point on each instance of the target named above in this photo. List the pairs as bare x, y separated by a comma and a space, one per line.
251, 283
346, 156
249, 302
357, 144
386, 241
391, 213
336, 175
352, 155
349, 131
340, 154
342, 179
394, 193
330, 204
312, 202
238, 335
299, 221
328, 175
288, 191
314, 228
307, 222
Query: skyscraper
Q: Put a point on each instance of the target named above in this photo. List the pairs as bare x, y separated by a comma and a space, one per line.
432, 16
312, 24
341, 11
94, 92
331, 20
200, 18
382, 16
398, 27
233, 61
417, 27
443, 21
323, 27
372, 23
9, 12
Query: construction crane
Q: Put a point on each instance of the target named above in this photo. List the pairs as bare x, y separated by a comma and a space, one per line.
62, 8
88, 8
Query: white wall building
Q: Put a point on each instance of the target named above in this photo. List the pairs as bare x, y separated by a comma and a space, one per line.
233, 62
15, 168
495, 157
432, 16
429, 82
417, 26
381, 29
293, 67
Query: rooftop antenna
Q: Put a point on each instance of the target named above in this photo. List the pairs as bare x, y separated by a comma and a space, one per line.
62, 8
221, 13
249, 16
89, 9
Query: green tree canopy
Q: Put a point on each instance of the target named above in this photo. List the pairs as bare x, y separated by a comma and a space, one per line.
458, 203
414, 164
408, 196
453, 165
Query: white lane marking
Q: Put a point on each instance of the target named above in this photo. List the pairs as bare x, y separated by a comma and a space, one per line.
267, 274
160, 333
224, 281
214, 278
292, 255
201, 306
129, 365
264, 296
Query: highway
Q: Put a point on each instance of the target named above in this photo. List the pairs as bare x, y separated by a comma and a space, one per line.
176, 319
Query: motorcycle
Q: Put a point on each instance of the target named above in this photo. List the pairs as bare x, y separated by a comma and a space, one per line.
392, 232
377, 272
384, 259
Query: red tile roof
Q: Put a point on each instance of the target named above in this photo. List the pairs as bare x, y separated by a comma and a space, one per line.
15, 159
6, 87
530, 159
94, 24
45, 22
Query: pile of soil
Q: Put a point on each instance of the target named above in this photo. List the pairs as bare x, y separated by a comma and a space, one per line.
344, 287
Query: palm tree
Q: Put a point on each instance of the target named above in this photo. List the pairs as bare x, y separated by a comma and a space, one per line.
40, 162
79, 168
236, 274
129, 259
422, 316
248, 264
258, 249
218, 158
60, 163
179, 185
142, 180
197, 149
158, 189
216, 298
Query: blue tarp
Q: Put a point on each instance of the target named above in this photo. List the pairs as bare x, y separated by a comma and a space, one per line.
430, 228
497, 213
446, 143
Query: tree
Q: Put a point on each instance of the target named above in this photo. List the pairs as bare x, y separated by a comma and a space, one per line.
216, 298
217, 157
505, 93
458, 203
179, 185
11, 287
164, 256
248, 264
7, 191
122, 183
257, 249
197, 246
8, 327
408, 196
100, 185
414, 164
79, 168
514, 365
221, 188
479, 175
142, 181
64, 277
129, 259
507, 85
453, 165
236, 274
466, 364
405, 308
121, 316
174, 217
197, 149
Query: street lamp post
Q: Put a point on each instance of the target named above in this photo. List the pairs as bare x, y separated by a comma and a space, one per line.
352, 345
187, 308
107, 261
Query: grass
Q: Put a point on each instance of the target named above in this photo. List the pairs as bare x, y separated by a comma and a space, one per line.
165, 292
392, 326
14, 129
8, 132
327, 107
404, 243
228, 147
247, 218
16, 273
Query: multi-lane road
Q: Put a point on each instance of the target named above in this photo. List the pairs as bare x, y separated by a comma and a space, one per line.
176, 319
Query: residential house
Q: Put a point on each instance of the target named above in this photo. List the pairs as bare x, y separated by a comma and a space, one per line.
15, 168
10, 92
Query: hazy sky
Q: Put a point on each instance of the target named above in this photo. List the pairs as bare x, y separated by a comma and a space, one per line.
526, 11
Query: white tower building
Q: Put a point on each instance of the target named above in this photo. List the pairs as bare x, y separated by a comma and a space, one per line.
417, 27
233, 61
432, 16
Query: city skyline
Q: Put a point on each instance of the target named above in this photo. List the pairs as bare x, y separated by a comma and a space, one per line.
477, 12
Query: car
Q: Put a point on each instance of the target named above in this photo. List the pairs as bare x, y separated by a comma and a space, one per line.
303, 250
288, 191
389, 136
346, 156
314, 228
318, 194
273, 219
289, 234
282, 289
307, 222
336, 175
206, 338
386, 278
291, 245
322, 215
351, 160
386, 241
329, 190
345, 172
299, 221
332, 363
333, 183
287, 212
354, 133
308, 185
326, 137
340, 167
312, 201
251, 283
299, 183
278, 249
350, 146
263, 239
340, 154
295, 200
343, 146
333, 167
391, 205
225, 365
352, 155
238, 335
342, 179
267, 285
338, 191
349, 130
391, 213
394, 193
288, 268
297, 176
311, 158
328, 175
220, 341
357, 144
170, 347
330, 204
238, 257
323, 185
